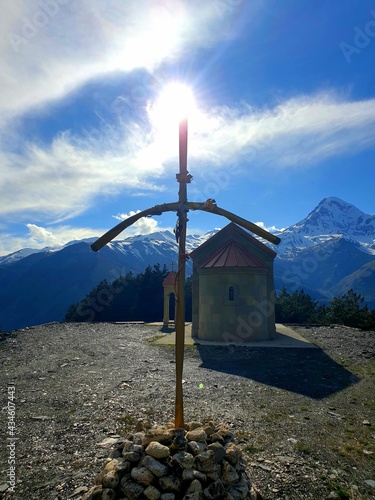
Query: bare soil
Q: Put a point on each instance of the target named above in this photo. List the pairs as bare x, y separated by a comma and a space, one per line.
305, 418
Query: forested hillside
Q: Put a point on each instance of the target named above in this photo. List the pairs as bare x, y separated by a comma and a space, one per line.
140, 298
129, 298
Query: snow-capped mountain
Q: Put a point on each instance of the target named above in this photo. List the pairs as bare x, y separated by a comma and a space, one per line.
37, 286
20, 254
331, 219
333, 247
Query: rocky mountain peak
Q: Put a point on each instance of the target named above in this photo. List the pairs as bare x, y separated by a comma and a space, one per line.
333, 216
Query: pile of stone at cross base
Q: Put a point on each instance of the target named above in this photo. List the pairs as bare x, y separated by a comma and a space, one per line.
201, 461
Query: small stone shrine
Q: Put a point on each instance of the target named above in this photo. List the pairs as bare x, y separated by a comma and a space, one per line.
161, 462
233, 288
169, 292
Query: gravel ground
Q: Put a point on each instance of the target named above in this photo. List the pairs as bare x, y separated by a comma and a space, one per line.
305, 418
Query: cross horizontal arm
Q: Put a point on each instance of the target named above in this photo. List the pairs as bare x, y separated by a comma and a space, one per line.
115, 231
207, 206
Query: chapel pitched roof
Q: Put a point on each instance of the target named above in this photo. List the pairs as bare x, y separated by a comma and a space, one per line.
232, 255
170, 279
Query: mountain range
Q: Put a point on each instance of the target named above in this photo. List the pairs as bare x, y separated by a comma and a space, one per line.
326, 253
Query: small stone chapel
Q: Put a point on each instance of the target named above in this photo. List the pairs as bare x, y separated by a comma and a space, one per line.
233, 288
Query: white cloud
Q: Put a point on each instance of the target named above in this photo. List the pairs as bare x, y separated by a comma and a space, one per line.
63, 179
63, 44
41, 237
51, 47
144, 225
297, 132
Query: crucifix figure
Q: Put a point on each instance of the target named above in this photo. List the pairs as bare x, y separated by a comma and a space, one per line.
182, 207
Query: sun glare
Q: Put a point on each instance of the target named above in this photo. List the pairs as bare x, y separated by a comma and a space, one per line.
175, 102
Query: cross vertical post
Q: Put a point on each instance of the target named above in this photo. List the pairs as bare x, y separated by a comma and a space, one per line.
183, 178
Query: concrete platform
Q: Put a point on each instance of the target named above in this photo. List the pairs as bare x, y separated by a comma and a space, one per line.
285, 337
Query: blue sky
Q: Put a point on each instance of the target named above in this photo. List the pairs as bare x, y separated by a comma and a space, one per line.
284, 112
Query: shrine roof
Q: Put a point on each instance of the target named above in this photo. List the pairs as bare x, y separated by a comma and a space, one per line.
170, 279
232, 255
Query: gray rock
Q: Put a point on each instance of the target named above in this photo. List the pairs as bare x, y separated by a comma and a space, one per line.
205, 462
183, 459
138, 437
142, 475
127, 445
370, 483
117, 452
191, 474
215, 490
193, 496
170, 483
95, 493
111, 479
217, 437
157, 468
193, 425
239, 491
152, 493
195, 487
107, 442
122, 466
160, 434
229, 473
209, 428
218, 450
167, 496
233, 453
179, 442
131, 489
196, 448
131, 456
197, 435
157, 450
215, 474
109, 494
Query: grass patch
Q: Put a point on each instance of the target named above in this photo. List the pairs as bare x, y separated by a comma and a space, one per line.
340, 490
156, 337
302, 448
126, 424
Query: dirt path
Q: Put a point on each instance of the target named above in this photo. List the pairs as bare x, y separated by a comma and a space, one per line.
305, 418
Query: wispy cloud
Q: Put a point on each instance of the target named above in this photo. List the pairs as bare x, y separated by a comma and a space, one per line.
298, 132
49, 48
145, 225
40, 237
61, 180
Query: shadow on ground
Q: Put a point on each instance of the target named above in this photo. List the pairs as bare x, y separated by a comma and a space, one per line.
309, 372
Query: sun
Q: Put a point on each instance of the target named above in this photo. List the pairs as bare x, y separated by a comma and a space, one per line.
175, 102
